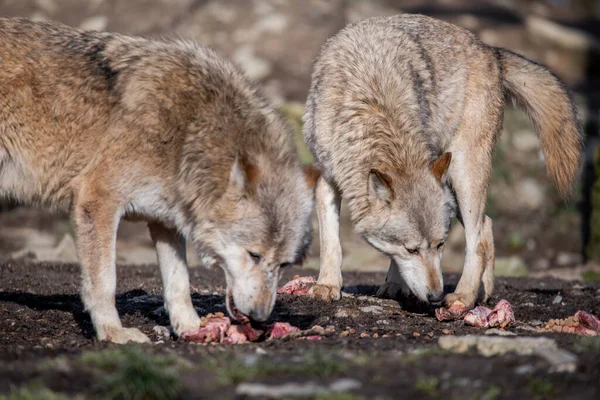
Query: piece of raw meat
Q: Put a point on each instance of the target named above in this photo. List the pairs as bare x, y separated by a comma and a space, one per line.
298, 285
582, 323
456, 311
218, 329
213, 329
280, 329
478, 317
501, 315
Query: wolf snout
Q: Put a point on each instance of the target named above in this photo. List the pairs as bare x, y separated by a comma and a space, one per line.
435, 297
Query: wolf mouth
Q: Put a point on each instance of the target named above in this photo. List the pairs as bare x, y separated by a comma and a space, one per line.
232, 309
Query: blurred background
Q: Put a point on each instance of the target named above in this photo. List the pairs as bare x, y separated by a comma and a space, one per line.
275, 42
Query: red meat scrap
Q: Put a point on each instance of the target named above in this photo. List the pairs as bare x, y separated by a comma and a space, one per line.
456, 311
298, 285
217, 328
480, 316
483, 317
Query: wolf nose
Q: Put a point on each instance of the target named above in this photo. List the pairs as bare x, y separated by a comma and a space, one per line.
259, 316
435, 297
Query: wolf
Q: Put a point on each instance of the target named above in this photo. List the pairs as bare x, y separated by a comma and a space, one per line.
106, 126
402, 116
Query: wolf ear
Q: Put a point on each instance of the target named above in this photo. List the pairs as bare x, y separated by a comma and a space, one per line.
439, 166
243, 174
311, 174
380, 185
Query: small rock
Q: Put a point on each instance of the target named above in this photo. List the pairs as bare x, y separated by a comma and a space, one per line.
345, 385
255, 67
376, 335
383, 322
528, 304
95, 23
372, 309
364, 335
536, 322
530, 194
525, 369
525, 140
564, 259
344, 312
416, 334
558, 299
446, 331
560, 360
541, 264
344, 333
495, 345
499, 332
162, 332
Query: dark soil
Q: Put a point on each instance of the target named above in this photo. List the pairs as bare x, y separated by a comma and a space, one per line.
42, 320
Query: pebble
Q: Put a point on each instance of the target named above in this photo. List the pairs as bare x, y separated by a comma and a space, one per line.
446, 331
499, 332
364, 335
371, 309
344, 312
416, 334
557, 300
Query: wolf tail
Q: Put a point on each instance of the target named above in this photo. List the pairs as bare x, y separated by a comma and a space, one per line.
547, 102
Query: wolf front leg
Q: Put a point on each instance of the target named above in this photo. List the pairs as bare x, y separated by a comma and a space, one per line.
95, 221
328, 201
170, 249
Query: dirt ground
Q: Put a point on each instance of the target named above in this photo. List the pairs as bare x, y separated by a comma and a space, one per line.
46, 337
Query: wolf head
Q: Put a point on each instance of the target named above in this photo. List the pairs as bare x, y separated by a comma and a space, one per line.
408, 218
261, 224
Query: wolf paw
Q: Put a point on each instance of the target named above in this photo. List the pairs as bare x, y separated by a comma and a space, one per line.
326, 292
123, 335
467, 299
183, 318
390, 291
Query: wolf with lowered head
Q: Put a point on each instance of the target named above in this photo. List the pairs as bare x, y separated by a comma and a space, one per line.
107, 126
402, 117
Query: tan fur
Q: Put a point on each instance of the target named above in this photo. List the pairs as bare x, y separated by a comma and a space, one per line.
106, 126
402, 117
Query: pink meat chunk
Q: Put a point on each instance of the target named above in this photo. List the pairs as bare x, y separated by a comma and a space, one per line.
501, 315
218, 329
298, 285
212, 330
280, 329
478, 317
456, 311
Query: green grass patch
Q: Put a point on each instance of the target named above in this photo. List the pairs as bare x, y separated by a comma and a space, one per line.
542, 387
428, 385
588, 343
590, 276
130, 373
35, 391
231, 372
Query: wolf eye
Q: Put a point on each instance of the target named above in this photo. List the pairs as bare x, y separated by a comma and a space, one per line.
285, 265
440, 246
412, 251
255, 257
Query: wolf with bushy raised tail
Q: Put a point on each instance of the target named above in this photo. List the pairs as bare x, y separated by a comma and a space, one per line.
402, 117
106, 126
